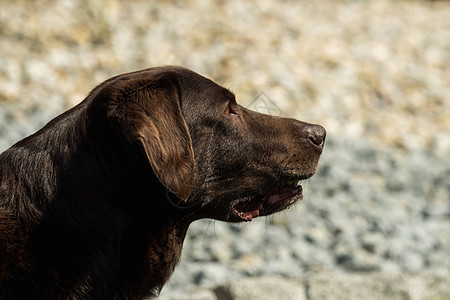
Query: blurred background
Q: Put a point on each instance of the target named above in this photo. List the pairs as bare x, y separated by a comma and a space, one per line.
375, 74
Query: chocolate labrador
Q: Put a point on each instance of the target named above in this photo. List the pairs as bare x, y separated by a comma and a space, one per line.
96, 204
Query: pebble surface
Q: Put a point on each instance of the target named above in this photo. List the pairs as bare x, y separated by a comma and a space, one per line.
375, 74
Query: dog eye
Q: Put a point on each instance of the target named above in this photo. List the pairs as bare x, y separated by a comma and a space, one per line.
230, 110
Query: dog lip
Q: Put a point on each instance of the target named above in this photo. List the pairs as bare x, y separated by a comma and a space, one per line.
272, 202
283, 194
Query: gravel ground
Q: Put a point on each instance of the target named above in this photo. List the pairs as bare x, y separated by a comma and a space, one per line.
376, 74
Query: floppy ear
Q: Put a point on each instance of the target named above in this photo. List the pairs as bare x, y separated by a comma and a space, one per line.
148, 113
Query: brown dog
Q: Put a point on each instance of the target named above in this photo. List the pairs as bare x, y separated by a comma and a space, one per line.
97, 203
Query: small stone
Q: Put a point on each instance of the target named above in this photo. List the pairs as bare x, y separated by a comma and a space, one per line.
261, 288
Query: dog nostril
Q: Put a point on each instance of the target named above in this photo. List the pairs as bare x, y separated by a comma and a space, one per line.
317, 135
316, 141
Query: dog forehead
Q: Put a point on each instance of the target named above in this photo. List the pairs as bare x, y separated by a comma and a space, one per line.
199, 90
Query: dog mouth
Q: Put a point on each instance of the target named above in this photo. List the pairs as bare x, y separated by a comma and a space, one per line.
277, 200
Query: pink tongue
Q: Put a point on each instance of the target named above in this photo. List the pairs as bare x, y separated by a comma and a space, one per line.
249, 215
282, 194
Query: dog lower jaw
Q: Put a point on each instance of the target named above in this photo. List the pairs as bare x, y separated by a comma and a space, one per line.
270, 204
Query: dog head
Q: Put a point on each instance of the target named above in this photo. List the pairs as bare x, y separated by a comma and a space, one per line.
231, 163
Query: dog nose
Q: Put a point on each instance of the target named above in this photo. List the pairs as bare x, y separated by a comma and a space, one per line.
316, 135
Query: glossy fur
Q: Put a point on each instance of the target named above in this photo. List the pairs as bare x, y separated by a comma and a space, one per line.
85, 211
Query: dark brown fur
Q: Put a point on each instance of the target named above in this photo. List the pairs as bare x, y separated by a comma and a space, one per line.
85, 211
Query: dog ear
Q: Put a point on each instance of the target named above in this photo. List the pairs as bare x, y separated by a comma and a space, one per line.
148, 113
